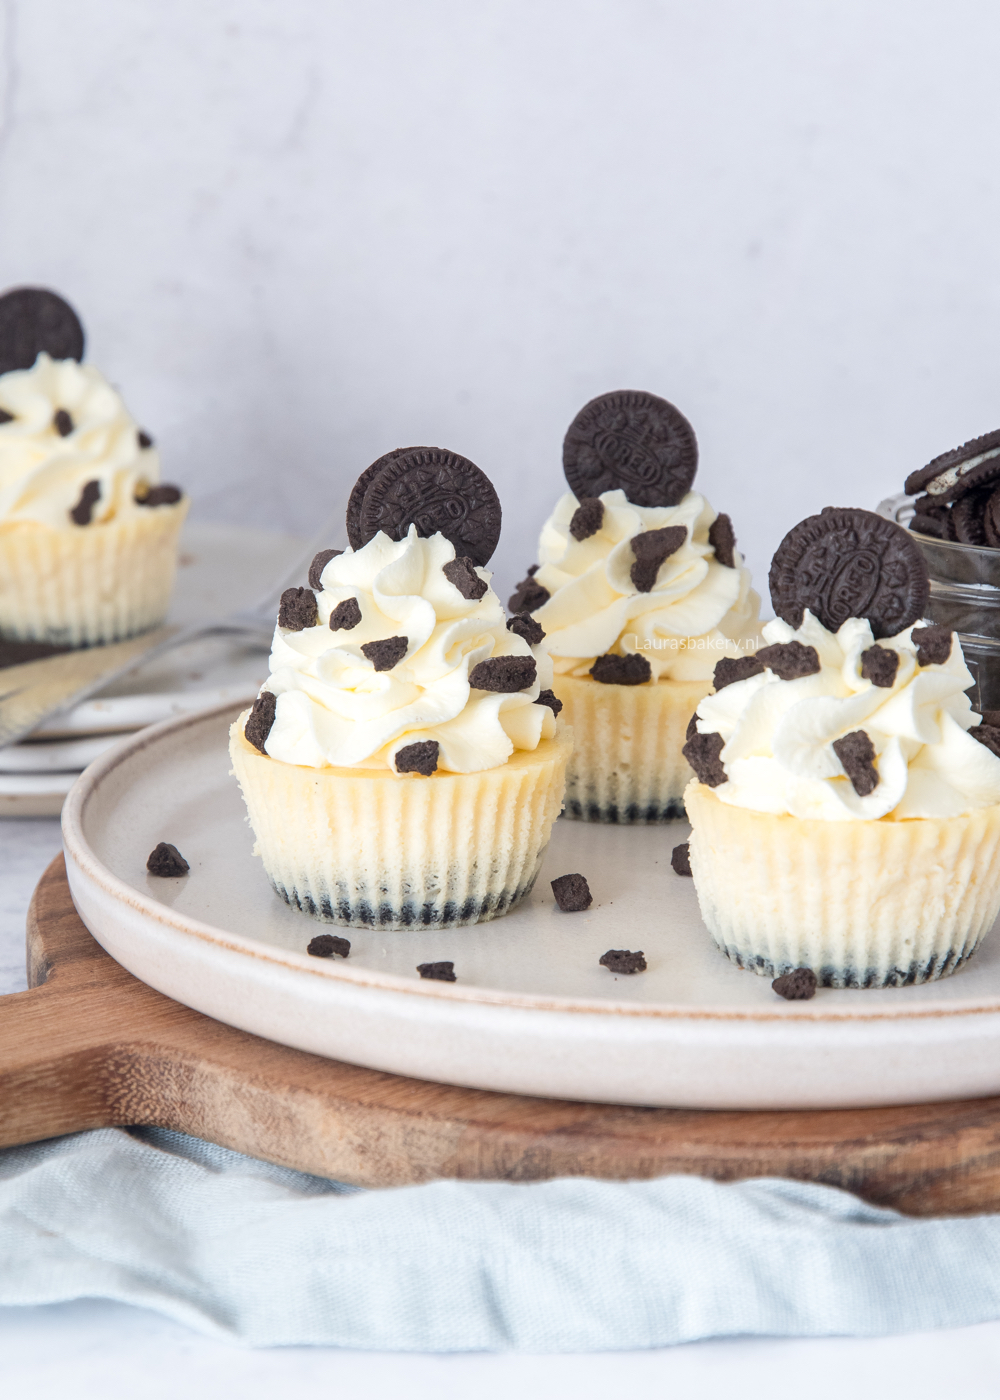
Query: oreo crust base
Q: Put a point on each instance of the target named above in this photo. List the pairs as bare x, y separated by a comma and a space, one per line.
936, 967
350, 912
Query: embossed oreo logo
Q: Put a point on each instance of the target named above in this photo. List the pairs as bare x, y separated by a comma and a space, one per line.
849, 563
634, 442
431, 488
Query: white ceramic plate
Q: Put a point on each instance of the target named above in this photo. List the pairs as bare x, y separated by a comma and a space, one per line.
219, 567
532, 1011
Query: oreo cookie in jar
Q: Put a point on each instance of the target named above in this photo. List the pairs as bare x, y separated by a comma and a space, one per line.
951, 507
641, 592
846, 807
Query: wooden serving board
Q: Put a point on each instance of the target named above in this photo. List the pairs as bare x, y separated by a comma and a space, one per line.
89, 1046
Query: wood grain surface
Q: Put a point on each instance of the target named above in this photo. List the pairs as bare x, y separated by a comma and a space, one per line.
89, 1046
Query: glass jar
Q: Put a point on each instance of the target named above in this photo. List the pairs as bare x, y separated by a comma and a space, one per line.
965, 596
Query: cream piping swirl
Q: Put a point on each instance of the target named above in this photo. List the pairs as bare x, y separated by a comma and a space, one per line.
779, 756
334, 709
697, 611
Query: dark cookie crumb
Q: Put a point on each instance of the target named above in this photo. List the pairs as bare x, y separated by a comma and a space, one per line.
298, 609
692, 726
528, 596
462, 573
737, 668
879, 665
722, 538
504, 674
62, 422
160, 496
327, 945
532, 570
317, 566
703, 752
933, 645
989, 736
790, 661
384, 653
621, 670
144, 438
345, 616
260, 720
526, 627
651, 548
420, 758
587, 518
6, 417
438, 971
857, 754
680, 859
991, 717
84, 507
550, 698
799, 985
623, 960
572, 893
166, 861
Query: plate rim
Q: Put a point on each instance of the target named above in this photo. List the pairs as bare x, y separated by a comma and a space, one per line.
79, 850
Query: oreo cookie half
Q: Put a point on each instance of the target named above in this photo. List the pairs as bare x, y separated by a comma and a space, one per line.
849, 563
959, 471
991, 520
33, 319
433, 489
634, 442
968, 517
361, 486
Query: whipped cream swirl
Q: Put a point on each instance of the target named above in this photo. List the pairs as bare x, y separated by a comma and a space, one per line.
697, 611
779, 735
42, 470
334, 708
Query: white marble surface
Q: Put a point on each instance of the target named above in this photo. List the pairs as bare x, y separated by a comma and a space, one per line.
301, 234
92, 1348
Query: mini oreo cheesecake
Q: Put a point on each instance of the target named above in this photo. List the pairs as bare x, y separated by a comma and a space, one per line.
639, 591
403, 765
846, 809
88, 535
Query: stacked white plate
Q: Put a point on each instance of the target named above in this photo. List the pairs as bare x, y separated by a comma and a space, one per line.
221, 568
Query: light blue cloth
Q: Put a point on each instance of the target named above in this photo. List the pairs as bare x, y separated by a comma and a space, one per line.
267, 1256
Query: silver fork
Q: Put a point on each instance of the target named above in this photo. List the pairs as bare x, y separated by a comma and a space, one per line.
35, 691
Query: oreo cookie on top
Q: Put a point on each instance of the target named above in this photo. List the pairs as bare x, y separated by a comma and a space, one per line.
634, 442
432, 488
850, 563
33, 319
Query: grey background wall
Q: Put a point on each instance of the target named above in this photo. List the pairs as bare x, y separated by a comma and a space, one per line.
302, 232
